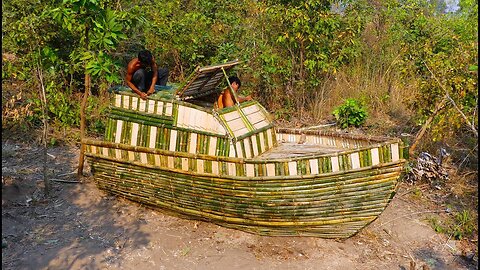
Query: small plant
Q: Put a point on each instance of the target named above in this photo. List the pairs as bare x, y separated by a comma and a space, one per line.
436, 224
464, 224
350, 113
461, 224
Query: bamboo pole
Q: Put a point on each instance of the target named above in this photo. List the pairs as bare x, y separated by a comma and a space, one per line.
285, 189
398, 165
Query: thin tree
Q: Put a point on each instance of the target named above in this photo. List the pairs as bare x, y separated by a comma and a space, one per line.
43, 99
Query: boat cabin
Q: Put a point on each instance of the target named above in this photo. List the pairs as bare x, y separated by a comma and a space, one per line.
185, 118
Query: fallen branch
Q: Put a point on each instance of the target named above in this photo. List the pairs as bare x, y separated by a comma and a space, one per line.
64, 174
65, 181
319, 126
438, 107
469, 124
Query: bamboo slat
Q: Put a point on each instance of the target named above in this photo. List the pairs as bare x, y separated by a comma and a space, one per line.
306, 213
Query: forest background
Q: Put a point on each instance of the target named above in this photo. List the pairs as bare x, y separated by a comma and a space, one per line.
410, 65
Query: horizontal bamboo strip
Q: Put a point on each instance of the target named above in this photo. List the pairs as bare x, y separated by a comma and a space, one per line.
396, 166
141, 121
368, 138
208, 186
254, 132
220, 66
141, 172
132, 94
207, 157
327, 220
140, 115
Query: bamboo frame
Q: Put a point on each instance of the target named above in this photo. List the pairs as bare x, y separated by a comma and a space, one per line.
159, 152
195, 197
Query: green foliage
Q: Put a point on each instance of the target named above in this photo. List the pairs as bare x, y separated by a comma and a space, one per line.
441, 51
96, 30
60, 107
292, 50
68, 40
459, 225
186, 34
350, 113
98, 126
305, 44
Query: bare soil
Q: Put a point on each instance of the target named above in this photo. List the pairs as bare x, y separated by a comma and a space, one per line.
79, 226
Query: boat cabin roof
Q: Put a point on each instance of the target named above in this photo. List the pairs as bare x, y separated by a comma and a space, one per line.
204, 81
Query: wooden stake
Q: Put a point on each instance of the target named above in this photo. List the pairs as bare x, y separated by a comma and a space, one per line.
45, 127
81, 158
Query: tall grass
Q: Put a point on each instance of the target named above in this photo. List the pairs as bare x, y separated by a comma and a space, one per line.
373, 78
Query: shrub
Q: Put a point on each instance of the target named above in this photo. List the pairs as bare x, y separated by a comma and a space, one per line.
350, 113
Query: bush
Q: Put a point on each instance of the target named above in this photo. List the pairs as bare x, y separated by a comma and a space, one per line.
350, 113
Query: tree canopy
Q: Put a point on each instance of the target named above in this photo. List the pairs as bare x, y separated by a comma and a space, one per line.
300, 58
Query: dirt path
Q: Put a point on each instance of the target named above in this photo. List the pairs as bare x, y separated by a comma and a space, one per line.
81, 227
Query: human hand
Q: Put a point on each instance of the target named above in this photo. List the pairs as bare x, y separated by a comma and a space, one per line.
151, 91
143, 95
248, 97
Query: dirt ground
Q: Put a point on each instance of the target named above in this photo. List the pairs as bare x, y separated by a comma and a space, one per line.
81, 227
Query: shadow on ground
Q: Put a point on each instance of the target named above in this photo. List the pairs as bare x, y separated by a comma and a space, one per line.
80, 227
68, 229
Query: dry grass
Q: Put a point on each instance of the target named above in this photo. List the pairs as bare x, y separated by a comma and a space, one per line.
374, 78
385, 96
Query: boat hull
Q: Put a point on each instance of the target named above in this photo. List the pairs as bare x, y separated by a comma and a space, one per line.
328, 205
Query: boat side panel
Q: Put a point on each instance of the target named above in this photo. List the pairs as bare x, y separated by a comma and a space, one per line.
327, 206
182, 143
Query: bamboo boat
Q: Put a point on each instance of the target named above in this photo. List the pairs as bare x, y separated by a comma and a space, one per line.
233, 167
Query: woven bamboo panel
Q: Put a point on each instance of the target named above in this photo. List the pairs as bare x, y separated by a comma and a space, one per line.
137, 122
256, 143
236, 125
132, 102
182, 145
332, 206
204, 81
256, 116
195, 119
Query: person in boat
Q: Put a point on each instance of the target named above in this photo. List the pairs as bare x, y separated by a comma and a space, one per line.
143, 74
226, 99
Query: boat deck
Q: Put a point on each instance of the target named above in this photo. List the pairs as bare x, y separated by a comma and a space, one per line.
290, 149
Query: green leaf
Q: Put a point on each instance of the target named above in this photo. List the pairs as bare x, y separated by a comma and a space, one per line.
108, 41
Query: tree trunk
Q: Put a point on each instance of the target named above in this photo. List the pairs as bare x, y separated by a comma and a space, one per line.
82, 125
439, 107
45, 130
